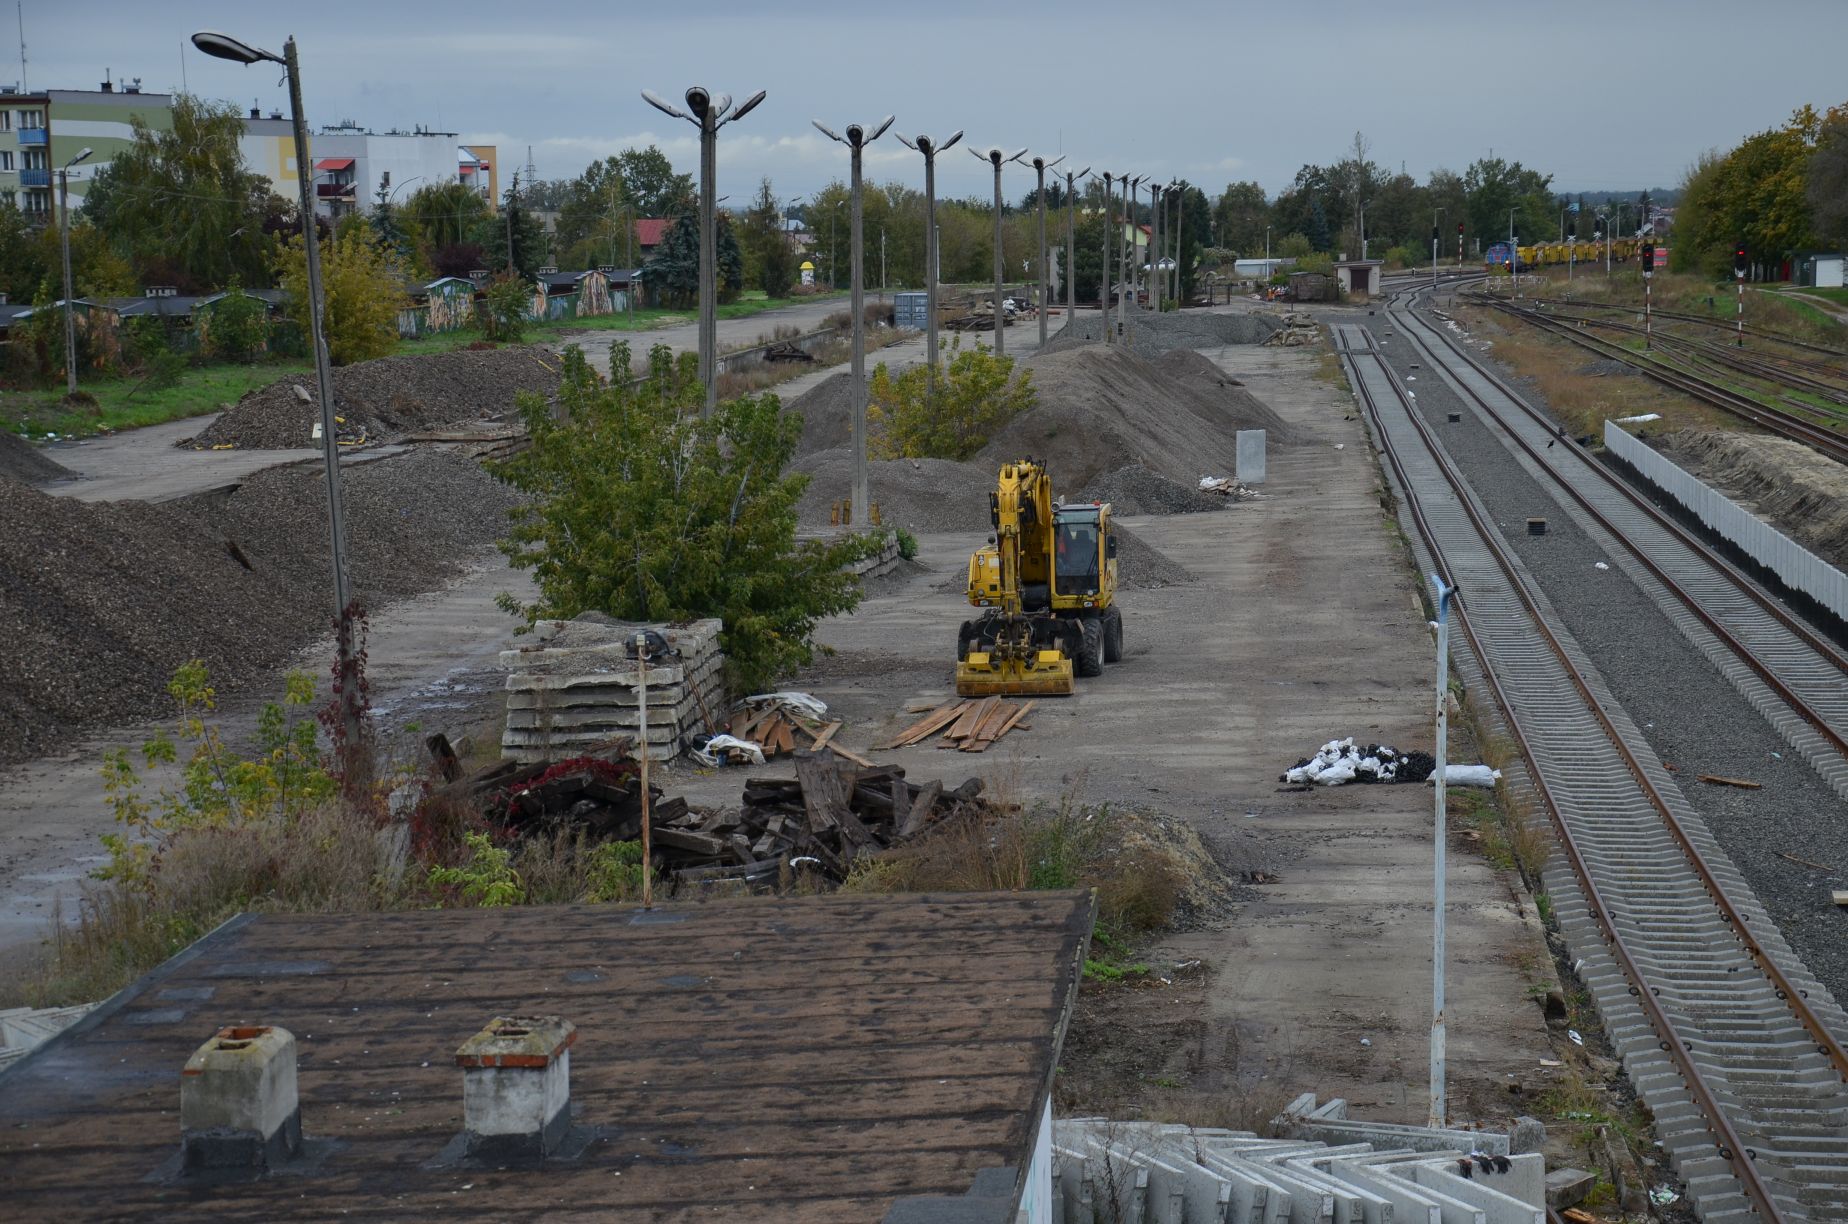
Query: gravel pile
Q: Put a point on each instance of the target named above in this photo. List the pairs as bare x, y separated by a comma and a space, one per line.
827, 414
100, 602
22, 460
920, 495
1136, 490
1103, 408
1141, 564
383, 399
1151, 334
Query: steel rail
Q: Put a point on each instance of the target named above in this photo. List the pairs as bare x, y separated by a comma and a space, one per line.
1826, 441
1682, 316
1732, 1149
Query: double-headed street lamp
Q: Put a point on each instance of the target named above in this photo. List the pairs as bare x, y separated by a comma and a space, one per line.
1103, 285
223, 46
856, 140
1040, 166
708, 113
1071, 241
998, 157
70, 320
930, 148
1131, 188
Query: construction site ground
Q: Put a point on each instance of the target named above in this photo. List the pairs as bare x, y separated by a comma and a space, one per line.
1302, 625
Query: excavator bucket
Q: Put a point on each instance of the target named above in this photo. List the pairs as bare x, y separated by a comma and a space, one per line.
1046, 673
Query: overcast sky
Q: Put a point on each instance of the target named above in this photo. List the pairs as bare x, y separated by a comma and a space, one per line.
1621, 95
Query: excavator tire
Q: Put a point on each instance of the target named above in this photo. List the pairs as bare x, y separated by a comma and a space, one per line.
964, 637
1113, 636
1091, 653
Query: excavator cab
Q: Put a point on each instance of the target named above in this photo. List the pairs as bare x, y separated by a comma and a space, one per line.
1047, 584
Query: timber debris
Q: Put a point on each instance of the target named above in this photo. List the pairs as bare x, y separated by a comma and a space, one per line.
969, 726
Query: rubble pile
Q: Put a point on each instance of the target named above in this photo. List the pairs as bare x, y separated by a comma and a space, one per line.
1341, 760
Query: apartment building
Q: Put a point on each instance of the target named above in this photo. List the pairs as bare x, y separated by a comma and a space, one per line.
42, 130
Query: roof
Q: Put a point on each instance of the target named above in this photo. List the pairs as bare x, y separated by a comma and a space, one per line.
334, 163
776, 1059
650, 230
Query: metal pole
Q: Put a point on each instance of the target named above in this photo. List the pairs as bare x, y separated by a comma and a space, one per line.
708, 261
1739, 282
1648, 321
1000, 267
1444, 596
859, 506
1071, 246
1039, 166
1180, 217
1125, 250
1103, 282
70, 319
930, 258
513, 194
1514, 258
346, 666
641, 692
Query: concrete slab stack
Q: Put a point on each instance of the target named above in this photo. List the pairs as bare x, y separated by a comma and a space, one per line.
1322, 1168
576, 690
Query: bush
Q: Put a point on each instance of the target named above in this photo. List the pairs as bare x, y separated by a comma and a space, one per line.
164, 369
950, 414
234, 328
362, 287
506, 309
644, 510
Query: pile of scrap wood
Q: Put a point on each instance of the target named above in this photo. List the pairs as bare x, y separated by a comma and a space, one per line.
599, 795
1229, 489
786, 351
819, 821
780, 724
967, 725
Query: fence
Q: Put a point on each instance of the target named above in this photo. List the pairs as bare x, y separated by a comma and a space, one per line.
1795, 566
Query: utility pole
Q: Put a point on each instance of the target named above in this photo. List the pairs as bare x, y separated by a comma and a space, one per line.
1180, 217
930, 148
1040, 166
708, 113
856, 141
513, 195
64, 239
998, 157
1131, 186
1444, 595
1740, 267
1435, 214
1103, 284
1071, 247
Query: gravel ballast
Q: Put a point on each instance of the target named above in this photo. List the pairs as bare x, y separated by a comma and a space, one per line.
920, 495
1690, 714
23, 460
1136, 490
378, 401
1151, 334
101, 601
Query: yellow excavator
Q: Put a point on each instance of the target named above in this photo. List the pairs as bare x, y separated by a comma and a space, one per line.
1048, 580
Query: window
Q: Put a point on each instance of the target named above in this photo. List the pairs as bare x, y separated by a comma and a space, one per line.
6, 120
34, 159
6, 158
38, 203
29, 119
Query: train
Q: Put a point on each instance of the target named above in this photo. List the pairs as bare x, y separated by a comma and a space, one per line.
1550, 254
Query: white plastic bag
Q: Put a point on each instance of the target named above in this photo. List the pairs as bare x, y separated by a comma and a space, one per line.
709, 756
805, 704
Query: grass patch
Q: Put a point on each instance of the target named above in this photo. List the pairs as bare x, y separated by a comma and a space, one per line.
126, 403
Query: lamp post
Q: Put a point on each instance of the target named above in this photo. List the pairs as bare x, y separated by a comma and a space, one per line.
998, 157
930, 148
1071, 241
222, 46
1514, 256
1268, 270
1130, 187
1103, 284
856, 140
708, 113
1179, 191
1040, 166
64, 225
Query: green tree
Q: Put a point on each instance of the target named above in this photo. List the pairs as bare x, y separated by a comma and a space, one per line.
642, 509
181, 205
1828, 178
531, 244
439, 215
1757, 194
672, 272
362, 288
22, 262
912, 416
236, 327
1496, 187
769, 262
506, 309
654, 188
1239, 216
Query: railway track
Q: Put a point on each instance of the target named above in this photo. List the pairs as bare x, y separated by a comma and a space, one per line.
1682, 316
1731, 1043
1829, 442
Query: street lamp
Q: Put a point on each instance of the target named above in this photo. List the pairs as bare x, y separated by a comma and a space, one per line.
1103, 284
1127, 245
708, 113
856, 140
1040, 166
998, 157
1179, 190
223, 46
1071, 248
70, 320
930, 148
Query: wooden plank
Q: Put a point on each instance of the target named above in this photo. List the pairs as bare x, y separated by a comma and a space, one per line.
823, 797
971, 718
847, 754
1718, 780
936, 720
901, 804
1839, 896
827, 733
921, 808
784, 737
1014, 722
691, 842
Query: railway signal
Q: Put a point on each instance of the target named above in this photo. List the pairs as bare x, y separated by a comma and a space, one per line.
1459, 246
1739, 266
1648, 275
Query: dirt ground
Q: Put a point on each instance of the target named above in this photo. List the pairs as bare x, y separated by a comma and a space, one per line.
1302, 626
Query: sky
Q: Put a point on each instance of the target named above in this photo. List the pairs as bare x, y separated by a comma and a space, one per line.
1619, 96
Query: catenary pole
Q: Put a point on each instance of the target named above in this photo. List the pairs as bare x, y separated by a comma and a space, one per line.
1444, 596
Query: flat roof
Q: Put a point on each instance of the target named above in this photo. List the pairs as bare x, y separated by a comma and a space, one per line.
808, 1059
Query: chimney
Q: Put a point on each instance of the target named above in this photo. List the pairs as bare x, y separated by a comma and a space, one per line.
107, 87
516, 1087
256, 112
238, 1106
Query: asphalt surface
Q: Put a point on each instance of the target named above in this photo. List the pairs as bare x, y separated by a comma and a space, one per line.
1691, 715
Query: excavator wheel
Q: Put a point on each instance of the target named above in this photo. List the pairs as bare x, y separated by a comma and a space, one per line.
965, 636
1113, 636
1091, 653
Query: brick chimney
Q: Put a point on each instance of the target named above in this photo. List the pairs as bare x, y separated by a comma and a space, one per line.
516, 1087
238, 1105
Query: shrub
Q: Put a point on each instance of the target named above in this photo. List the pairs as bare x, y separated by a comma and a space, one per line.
234, 328
644, 510
949, 414
361, 285
506, 309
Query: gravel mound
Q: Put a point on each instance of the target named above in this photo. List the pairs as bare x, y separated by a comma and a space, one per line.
1151, 334
1801, 491
920, 495
1141, 564
1136, 490
101, 601
21, 460
827, 414
383, 399
1103, 408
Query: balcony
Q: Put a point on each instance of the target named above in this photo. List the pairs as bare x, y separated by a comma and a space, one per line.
35, 178
334, 191
35, 136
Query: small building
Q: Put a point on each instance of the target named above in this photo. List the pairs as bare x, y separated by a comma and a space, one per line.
808, 272
1817, 269
649, 234
1358, 279
1261, 269
816, 1059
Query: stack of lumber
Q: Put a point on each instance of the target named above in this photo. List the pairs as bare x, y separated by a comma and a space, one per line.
578, 690
970, 726
780, 728
819, 821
